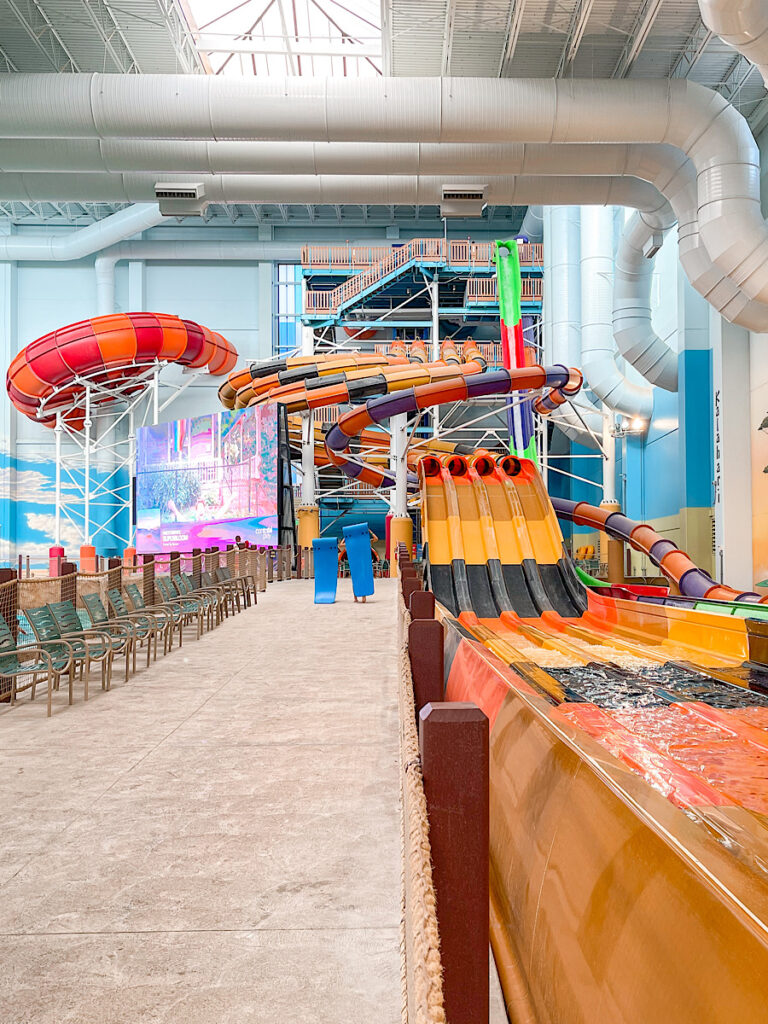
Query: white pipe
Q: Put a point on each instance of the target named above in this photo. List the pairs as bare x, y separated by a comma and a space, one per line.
697, 121
323, 189
597, 345
609, 462
399, 446
307, 458
214, 252
633, 273
662, 165
562, 316
78, 244
742, 24
533, 225
434, 299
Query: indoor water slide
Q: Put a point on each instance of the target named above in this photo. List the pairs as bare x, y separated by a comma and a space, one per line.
409, 382
608, 718
664, 554
111, 356
617, 712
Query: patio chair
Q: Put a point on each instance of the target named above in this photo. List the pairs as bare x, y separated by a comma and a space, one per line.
88, 647
210, 597
119, 634
167, 619
49, 660
230, 589
193, 608
144, 628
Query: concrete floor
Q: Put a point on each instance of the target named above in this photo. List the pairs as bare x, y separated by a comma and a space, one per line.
216, 841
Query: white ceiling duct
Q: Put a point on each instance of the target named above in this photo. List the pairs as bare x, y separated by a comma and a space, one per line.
661, 165
633, 272
742, 24
699, 122
76, 245
533, 224
214, 252
562, 318
319, 189
598, 350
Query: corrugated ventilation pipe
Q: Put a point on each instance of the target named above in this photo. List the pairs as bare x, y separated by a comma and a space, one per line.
633, 330
742, 24
78, 244
533, 224
157, 249
562, 317
663, 166
322, 189
598, 351
699, 122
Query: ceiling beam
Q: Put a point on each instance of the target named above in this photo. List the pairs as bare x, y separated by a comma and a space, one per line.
736, 77
111, 34
6, 60
641, 29
178, 24
35, 23
283, 46
514, 21
450, 18
692, 51
574, 35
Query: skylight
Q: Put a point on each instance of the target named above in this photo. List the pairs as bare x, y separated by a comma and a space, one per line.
313, 38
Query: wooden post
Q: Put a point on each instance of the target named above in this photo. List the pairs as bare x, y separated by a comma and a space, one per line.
425, 650
410, 586
197, 568
454, 762
270, 566
174, 564
148, 579
69, 582
115, 574
9, 600
422, 604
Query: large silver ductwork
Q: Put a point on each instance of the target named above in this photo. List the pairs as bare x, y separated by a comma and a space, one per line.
698, 123
533, 224
742, 24
76, 245
561, 319
598, 350
321, 189
633, 330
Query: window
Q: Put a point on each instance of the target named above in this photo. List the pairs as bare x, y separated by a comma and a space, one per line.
286, 332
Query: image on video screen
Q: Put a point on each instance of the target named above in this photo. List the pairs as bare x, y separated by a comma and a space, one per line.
205, 480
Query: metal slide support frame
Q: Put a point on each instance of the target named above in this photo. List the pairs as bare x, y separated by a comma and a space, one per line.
79, 495
435, 339
399, 427
609, 462
308, 489
88, 423
57, 434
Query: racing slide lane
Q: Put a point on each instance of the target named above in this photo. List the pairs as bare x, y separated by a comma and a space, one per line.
585, 710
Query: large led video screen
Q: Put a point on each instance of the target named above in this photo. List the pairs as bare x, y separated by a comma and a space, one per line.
207, 480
